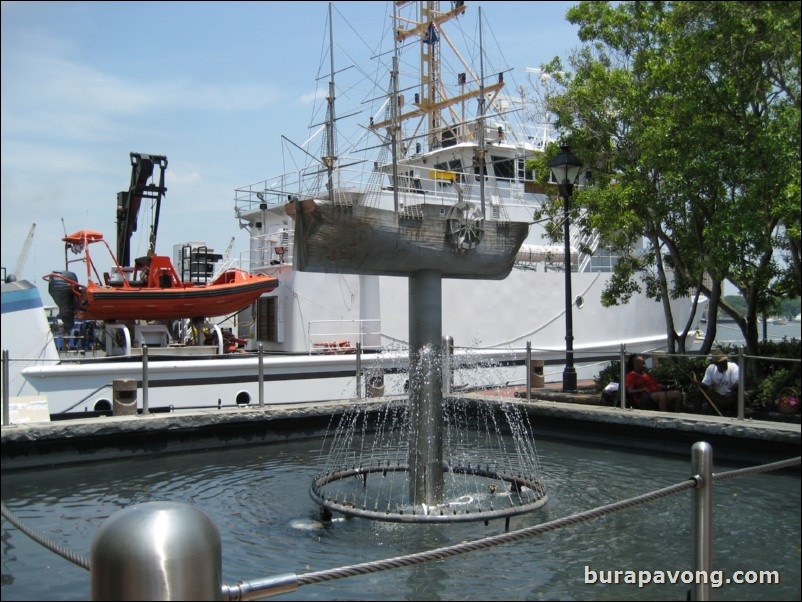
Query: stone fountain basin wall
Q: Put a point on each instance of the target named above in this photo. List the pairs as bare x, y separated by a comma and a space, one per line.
98, 439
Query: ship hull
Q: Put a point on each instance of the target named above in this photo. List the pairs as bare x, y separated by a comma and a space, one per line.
372, 241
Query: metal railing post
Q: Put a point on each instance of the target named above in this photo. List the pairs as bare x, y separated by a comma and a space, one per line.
6, 391
157, 551
261, 376
622, 387
529, 371
702, 528
359, 370
145, 377
448, 354
741, 382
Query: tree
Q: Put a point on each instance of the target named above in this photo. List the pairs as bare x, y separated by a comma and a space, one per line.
689, 115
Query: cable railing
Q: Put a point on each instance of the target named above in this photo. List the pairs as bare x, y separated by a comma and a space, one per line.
490, 368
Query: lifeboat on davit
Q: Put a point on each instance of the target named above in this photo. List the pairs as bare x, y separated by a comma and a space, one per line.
150, 290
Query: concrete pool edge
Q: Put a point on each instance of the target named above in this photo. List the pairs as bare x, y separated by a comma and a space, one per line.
98, 439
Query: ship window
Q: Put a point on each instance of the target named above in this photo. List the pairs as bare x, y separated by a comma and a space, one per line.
267, 319
503, 167
453, 165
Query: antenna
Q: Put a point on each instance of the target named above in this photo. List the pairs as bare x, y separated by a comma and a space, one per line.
26, 246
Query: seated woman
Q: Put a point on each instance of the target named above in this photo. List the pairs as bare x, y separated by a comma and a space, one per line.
645, 393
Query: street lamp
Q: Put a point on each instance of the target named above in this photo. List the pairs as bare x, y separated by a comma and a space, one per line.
565, 168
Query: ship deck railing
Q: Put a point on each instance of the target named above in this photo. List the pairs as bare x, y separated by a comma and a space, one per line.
343, 336
435, 186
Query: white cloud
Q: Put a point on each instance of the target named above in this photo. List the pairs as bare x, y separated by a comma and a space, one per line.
47, 93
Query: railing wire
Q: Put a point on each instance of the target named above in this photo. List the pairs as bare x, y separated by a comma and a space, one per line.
43, 540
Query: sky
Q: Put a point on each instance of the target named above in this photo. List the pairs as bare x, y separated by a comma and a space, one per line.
213, 86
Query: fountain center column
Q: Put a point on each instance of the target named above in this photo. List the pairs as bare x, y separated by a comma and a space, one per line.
426, 387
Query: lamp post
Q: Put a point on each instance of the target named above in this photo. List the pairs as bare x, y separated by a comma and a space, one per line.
565, 168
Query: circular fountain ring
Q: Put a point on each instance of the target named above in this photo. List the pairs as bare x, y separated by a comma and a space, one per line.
457, 511
465, 226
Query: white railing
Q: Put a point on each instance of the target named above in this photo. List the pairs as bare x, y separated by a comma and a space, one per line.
429, 185
270, 250
342, 336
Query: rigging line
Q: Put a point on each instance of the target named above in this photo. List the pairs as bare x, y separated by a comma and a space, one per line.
547, 322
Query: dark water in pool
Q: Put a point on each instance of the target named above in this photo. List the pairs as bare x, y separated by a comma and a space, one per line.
258, 498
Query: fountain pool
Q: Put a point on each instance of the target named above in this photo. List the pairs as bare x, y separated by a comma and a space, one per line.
258, 496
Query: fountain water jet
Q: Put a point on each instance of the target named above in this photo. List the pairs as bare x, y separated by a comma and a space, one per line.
447, 231
430, 458
425, 387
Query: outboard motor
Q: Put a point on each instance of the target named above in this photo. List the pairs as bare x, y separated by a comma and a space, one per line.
62, 294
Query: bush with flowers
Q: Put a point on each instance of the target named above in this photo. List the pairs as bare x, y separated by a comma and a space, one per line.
778, 391
788, 401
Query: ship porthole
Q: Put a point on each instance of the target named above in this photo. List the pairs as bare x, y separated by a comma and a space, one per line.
580, 301
102, 405
243, 398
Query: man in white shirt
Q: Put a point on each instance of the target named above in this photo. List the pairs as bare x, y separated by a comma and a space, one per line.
721, 381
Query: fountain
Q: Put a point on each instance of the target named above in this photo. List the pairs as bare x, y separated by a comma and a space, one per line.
429, 458
425, 230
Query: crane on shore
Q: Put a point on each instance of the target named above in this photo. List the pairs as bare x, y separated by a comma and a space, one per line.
26, 247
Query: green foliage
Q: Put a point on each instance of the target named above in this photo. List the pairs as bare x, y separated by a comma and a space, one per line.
689, 115
774, 385
608, 374
790, 307
766, 377
737, 302
679, 370
770, 376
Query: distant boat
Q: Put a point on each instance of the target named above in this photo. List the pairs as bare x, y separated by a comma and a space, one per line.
779, 321
797, 318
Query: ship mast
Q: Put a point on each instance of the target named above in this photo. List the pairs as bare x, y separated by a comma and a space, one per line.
480, 149
432, 99
394, 126
430, 70
330, 158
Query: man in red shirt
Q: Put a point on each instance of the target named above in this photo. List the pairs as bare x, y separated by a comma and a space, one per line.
645, 393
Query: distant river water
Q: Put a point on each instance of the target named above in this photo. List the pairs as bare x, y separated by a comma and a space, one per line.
258, 498
729, 333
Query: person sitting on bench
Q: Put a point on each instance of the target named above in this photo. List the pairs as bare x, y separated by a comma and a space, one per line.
645, 392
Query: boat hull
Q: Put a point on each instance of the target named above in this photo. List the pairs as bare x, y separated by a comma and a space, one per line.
107, 303
355, 239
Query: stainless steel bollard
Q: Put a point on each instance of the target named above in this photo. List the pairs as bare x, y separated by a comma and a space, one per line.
157, 551
702, 528
124, 397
